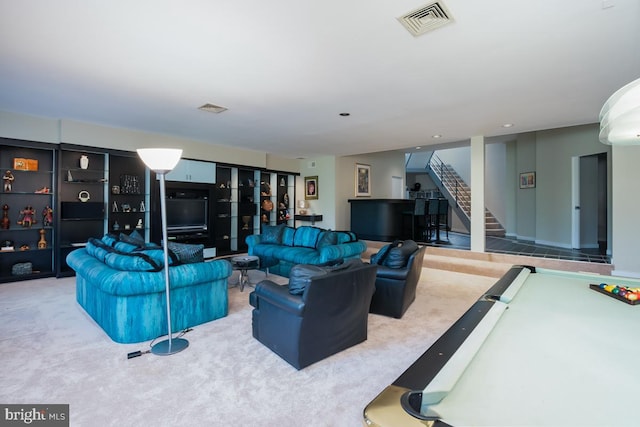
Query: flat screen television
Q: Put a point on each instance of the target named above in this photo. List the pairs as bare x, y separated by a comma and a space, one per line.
187, 215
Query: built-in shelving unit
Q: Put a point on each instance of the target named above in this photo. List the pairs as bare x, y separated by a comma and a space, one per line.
248, 196
27, 235
82, 182
55, 197
223, 210
128, 195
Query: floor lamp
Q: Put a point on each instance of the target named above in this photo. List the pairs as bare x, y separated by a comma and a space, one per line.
162, 161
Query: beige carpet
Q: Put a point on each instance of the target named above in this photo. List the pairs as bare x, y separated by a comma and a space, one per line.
52, 352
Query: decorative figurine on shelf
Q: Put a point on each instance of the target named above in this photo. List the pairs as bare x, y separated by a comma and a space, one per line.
142, 207
115, 207
116, 226
139, 224
84, 161
8, 181
5, 223
42, 243
28, 217
43, 190
47, 216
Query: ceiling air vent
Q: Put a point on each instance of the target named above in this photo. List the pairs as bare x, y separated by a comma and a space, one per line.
426, 18
211, 108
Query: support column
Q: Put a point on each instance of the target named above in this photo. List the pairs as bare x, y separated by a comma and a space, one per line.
477, 194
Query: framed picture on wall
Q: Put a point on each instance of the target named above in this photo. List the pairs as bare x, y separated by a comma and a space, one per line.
528, 180
363, 180
311, 188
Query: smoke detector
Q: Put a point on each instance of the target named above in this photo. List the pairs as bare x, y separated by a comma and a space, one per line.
211, 108
426, 18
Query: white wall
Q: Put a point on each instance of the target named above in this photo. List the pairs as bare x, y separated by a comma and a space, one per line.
41, 129
626, 204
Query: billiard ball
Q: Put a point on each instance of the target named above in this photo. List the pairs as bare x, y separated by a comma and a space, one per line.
632, 296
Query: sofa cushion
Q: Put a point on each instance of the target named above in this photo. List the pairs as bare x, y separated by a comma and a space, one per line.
306, 236
272, 234
287, 235
301, 275
398, 256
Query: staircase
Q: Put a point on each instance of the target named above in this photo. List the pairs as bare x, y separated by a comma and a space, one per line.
459, 194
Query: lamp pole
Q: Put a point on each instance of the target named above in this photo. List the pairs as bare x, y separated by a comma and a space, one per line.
162, 161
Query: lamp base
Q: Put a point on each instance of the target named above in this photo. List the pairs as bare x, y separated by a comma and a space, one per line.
167, 348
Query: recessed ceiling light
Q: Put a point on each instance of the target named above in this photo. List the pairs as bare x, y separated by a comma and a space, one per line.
436, 136
418, 147
507, 125
345, 114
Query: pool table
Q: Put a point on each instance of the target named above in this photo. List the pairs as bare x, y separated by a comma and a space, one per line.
540, 348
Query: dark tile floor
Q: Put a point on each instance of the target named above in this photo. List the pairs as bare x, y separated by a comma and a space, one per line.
521, 247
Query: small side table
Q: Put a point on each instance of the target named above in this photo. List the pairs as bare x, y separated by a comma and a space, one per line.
243, 264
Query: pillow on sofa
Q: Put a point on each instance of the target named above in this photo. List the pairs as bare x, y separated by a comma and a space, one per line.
134, 238
301, 275
272, 234
398, 256
327, 238
186, 253
380, 257
346, 236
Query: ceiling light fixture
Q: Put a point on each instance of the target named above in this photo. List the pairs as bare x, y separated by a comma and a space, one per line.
620, 116
507, 125
436, 136
418, 147
212, 108
345, 114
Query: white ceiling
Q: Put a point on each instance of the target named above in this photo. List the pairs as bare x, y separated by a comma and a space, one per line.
285, 69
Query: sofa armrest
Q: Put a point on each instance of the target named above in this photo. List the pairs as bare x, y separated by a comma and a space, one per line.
342, 250
252, 240
278, 296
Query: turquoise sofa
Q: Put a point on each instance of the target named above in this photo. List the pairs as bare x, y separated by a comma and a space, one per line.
281, 247
121, 286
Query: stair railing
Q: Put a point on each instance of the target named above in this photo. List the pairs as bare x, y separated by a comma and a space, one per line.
450, 181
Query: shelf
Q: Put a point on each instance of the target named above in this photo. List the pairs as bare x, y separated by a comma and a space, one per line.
18, 251
35, 228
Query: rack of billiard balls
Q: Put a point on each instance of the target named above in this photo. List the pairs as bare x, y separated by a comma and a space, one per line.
622, 293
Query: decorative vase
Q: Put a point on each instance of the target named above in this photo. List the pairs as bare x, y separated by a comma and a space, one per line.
245, 222
84, 162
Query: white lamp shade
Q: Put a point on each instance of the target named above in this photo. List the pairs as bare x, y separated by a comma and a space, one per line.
620, 116
160, 160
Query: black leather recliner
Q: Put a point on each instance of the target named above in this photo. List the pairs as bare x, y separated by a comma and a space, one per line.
399, 268
328, 314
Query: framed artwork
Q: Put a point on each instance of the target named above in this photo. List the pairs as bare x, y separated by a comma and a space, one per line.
311, 188
528, 180
363, 180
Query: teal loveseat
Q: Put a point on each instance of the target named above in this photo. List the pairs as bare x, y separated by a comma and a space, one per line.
281, 247
121, 286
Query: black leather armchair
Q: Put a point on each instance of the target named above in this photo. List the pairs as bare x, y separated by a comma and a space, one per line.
329, 315
397, 278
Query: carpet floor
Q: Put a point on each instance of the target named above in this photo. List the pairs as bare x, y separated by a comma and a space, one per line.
51, 351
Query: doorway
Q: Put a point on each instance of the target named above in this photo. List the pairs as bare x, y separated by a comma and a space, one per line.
589, 202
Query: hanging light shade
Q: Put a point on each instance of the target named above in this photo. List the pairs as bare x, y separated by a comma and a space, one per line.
620, 116
160, 160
